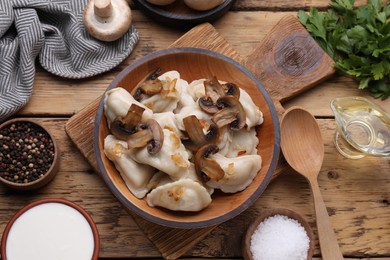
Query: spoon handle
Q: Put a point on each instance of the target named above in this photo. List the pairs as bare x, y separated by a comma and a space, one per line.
330, 249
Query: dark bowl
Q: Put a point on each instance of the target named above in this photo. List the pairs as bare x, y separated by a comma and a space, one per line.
49, 174
193, 63
178, 15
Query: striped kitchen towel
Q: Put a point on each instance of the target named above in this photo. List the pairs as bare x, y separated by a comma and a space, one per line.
53, 31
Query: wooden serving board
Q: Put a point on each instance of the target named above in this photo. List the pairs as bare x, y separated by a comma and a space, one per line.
287, 62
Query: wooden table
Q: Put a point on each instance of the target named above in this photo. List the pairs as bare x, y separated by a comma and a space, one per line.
356, 192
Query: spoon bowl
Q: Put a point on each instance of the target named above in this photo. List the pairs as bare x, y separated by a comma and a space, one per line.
303, 149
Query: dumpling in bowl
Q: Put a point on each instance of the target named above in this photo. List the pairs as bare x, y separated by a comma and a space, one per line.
239, 172
169, 96
254, 116
242, 143
117, 102
135, 175
181, 195
171, 159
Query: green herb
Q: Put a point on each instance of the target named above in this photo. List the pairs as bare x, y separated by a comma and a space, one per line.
357, 38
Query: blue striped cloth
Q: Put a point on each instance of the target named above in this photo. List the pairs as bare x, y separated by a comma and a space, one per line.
53, 32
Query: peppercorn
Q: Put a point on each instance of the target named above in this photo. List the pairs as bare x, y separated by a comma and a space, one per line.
26, 152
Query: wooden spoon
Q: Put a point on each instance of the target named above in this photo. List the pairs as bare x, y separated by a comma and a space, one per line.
303, 149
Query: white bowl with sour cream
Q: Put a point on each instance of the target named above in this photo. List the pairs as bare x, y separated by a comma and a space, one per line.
50, 229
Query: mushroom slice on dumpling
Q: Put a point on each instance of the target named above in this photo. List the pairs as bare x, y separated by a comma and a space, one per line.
117, 103
239, 172
169, 96
181, 195
135, 175
171, 159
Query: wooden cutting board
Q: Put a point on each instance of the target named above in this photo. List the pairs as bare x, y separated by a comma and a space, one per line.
287, 63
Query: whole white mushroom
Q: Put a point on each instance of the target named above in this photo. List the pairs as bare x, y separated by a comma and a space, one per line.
203, 5
107, 20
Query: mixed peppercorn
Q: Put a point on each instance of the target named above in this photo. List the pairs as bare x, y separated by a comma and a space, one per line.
26, 152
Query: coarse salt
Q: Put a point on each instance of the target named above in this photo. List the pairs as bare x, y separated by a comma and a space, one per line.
279, 238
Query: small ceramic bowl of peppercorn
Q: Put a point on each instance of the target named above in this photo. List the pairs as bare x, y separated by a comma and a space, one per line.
29, 155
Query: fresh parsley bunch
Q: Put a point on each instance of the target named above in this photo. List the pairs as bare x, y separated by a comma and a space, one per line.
357, 38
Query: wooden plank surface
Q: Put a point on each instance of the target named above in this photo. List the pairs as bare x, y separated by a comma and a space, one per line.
249, 29
356, 193
357, 198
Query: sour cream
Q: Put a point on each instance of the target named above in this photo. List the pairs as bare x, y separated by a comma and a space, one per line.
50, 231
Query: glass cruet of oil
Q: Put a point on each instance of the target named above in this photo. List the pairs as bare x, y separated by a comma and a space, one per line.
363, 128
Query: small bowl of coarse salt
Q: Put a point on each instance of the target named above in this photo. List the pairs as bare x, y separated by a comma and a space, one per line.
278, 234
29, 155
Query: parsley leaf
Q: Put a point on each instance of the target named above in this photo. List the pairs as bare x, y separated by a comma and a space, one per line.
357, 38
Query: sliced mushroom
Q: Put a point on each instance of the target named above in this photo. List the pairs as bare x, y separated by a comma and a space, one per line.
231, 89
232, 113
205, 167
107, 20
214, 91
149, 86
197, 137
148, 133
121, 128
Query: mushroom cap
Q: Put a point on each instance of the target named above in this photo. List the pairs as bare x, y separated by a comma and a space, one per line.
232, 113
115, 23
161, 2
203, 5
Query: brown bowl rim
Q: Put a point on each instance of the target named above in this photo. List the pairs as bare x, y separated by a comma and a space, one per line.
202, 223
246, 242
85, 214
49, 175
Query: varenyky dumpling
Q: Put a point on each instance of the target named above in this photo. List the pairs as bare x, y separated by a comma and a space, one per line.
187, 111
254, 116
167, 120
117, 102
242, 142
239, 172
169, 97
181, 195
135, 175
172, 158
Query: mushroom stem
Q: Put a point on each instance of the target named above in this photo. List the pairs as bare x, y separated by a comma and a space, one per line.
103, 8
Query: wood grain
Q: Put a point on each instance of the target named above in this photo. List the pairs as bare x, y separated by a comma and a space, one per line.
357, 199
249, 28
356, 192
289, 61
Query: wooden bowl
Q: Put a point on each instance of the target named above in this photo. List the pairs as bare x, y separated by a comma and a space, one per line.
17, 216
246, 242
50, 173
179, 15
193, 63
